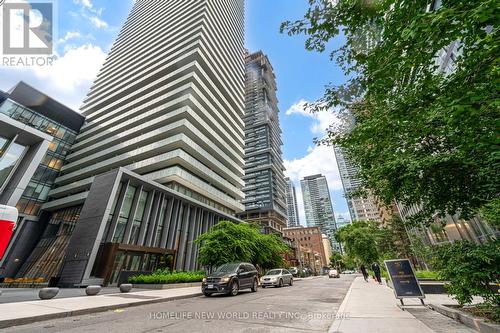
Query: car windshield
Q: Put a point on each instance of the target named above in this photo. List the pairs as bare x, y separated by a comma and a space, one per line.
274, 272
228, 268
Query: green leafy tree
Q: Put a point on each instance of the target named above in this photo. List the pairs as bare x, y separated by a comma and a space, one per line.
422, 135
227, 242
360, 241
269, 250
230, 242
336, 260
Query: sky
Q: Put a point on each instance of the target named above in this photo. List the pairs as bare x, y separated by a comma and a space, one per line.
86, 29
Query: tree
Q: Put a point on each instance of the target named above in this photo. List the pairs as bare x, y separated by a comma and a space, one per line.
422, 135
230, 242
336, 259
360, 241
393, 240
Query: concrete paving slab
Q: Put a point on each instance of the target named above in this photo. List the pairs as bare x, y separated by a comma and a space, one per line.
371, 308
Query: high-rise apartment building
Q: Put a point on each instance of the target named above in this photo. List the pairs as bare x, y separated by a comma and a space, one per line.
264, 189
291, 204
318, 204
360, 208
160, 158
341, 222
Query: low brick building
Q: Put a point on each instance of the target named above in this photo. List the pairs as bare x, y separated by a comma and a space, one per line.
308, 237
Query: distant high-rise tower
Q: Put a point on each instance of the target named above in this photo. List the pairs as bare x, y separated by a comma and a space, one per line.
318, 204
264, 189
160, 158
342, 222
291, 204
360, 208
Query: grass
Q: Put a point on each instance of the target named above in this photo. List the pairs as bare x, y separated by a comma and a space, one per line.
166, 277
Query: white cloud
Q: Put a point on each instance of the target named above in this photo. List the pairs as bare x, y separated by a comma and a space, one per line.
98, 23
70, 35
68, 79
93, 14
321, 120
319, 159
84, 3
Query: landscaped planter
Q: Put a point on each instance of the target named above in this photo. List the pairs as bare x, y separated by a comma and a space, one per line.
478, 324
167, 286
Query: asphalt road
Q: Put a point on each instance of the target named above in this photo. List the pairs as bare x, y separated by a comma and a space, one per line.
308, 306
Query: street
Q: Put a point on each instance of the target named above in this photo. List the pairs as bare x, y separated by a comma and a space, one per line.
309, 305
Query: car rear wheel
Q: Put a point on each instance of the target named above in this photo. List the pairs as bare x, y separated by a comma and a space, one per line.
291, 282
234, 289
280, 284
254, 285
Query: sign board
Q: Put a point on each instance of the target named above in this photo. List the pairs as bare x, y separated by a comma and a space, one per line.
404, 281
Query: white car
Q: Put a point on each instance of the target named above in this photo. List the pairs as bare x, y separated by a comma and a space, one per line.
276, 277
333, 273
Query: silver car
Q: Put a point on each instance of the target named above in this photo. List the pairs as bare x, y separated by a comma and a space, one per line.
277, 277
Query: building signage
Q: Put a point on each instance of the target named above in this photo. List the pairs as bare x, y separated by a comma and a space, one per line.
404, 281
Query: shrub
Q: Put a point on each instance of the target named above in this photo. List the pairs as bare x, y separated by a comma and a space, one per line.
427, 275
166, 277
471, 270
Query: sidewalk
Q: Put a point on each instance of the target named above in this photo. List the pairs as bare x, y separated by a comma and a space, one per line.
371, 308
12, 314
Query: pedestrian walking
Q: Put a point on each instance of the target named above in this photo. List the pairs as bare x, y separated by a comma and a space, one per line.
362, 268
376, 271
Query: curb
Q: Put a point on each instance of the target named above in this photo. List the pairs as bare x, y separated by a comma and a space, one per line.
30, 320
475, 323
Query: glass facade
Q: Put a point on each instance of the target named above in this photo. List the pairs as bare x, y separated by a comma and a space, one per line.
37, 191
10, 154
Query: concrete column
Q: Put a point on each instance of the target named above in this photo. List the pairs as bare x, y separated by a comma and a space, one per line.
116, 214
182, 237
173, 224
145, 221
154, 217
197, 233
168, 222
190, 237
131, 216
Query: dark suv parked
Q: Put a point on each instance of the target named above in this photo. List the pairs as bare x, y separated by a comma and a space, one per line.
230, 279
